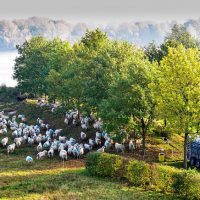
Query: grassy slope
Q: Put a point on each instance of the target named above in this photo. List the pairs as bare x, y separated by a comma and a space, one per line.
51, 179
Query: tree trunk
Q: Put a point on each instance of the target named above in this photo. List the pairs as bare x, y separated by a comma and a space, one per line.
144, 144
185, 149
143, 137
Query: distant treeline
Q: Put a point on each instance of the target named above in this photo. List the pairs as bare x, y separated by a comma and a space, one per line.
8, 94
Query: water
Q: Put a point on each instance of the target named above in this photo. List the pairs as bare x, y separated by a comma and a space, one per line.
6, 67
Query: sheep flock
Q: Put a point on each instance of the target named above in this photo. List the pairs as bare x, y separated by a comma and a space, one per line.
16, 132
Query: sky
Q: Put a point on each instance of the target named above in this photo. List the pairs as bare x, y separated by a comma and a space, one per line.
93, 12
6, 67
101, 11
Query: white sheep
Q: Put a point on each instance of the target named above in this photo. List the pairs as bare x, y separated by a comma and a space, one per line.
83, 135
63, 154
4, 141
107, 144
101, 150
62, 138
66, 121
39, 147
3, 131
30, 140
97, 141
51, 153
120, 147
29, 159
91, 142
87, 146
11, 148
131, 146
84, 126
41, 154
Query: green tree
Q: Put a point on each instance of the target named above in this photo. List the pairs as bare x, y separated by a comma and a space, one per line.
177, 90
153, 52
36, 58
178, 35
129, 97
30, 68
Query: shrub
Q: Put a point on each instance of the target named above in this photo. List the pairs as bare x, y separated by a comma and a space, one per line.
138, 173
103, 164
162, 177
92, 160
187, 184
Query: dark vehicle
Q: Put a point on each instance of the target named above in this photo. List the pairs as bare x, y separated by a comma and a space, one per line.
194, 153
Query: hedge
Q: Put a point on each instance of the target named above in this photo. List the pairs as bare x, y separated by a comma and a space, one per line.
103, 164
138, 173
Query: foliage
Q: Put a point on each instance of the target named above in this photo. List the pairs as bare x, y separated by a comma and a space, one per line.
138, 173
103, 164
187, 184
162, 177
177, 90
36, 58
178, 36
8, 94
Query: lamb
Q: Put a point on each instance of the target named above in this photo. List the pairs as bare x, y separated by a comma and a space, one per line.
10, 148
63, 154
83, 135
4, 141
41, 154
131, 146
101, 150
29, 159
120, 147
39, 147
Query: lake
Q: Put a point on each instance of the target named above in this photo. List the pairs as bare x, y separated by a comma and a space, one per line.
6, 67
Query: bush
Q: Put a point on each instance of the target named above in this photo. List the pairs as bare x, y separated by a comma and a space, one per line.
138, 173
187, 185
103, 164
162, 177
92, 160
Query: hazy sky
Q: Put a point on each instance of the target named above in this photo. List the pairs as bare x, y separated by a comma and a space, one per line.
6, 67
101, 11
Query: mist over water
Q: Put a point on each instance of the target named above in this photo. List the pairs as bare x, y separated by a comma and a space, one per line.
6, 67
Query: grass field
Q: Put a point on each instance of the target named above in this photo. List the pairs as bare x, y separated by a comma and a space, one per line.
52, 179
